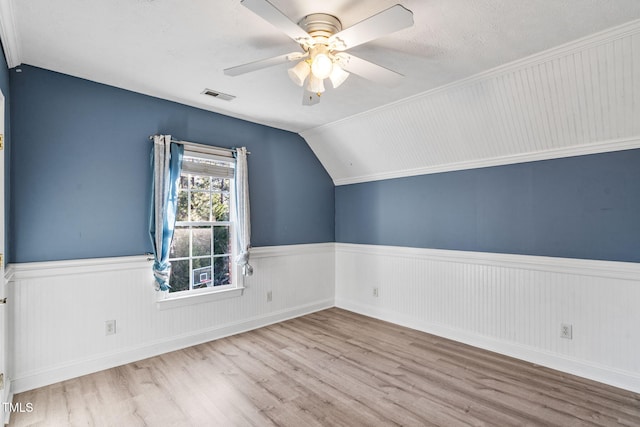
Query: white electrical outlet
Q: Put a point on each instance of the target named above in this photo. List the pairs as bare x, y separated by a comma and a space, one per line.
566, 331
375, 292
110, 327
269, 296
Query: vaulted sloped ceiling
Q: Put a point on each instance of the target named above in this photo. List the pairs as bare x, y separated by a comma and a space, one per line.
454, 109
580, 98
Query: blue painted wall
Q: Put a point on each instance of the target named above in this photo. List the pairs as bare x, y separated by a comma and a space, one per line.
80, 178
580, 207
80, 169
5, 87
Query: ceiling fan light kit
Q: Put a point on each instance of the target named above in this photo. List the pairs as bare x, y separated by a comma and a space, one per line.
337, 76
320, 65
323, 42
315, 85
299, 73
322, 61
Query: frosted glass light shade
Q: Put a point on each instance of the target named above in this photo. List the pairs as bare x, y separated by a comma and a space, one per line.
338, 76
321, 66
315, 84
299, 72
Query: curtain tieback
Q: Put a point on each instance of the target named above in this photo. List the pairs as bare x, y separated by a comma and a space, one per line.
243, 260
162, 273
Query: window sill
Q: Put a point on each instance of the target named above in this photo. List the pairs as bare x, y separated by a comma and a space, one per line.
186, 300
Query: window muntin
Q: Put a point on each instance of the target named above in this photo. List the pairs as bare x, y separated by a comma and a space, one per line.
202, 250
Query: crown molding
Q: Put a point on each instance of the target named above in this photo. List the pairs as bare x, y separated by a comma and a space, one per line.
556, 153
9, 34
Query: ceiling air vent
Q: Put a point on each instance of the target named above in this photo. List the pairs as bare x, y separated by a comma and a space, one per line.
218, 95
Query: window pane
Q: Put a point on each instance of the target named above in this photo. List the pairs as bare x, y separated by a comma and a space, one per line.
221, 240
221, 271
201, 241
200, 206
220, 184
201, 199
179, 279
201, 262
200, 182
180, 244
202, 273
220, 206
183, 204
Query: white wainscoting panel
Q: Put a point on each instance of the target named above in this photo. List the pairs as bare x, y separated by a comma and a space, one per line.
6, 394
511, 304
59, 310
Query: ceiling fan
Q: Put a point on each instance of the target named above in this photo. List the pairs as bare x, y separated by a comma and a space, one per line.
323, 43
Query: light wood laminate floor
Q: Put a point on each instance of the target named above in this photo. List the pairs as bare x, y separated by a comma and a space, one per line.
330, 368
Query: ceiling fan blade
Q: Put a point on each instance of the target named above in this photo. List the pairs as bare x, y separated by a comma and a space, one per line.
263, 63
386, 22
369, 70
271, 14
310, 98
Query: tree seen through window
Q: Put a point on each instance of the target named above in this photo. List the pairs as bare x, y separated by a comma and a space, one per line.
200, 253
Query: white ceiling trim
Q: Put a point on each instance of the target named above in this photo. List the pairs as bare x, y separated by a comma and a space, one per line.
9, 34
579, 98
556, 153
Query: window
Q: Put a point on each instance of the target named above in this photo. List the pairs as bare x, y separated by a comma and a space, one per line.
202, 250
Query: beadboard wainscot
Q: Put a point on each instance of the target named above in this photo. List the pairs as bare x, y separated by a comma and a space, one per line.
510, 304
6, 393
59, 310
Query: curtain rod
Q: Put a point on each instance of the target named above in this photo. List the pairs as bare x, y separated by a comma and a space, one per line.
204, 146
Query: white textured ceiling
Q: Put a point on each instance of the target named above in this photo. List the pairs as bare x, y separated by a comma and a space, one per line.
173, 49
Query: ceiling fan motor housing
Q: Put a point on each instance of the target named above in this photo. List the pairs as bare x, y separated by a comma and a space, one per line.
320, 25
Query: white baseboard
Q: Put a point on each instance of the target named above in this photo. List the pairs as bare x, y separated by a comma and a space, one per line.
626, 380
7, 397
83, 367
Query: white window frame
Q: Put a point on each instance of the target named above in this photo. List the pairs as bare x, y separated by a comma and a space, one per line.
214, 293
